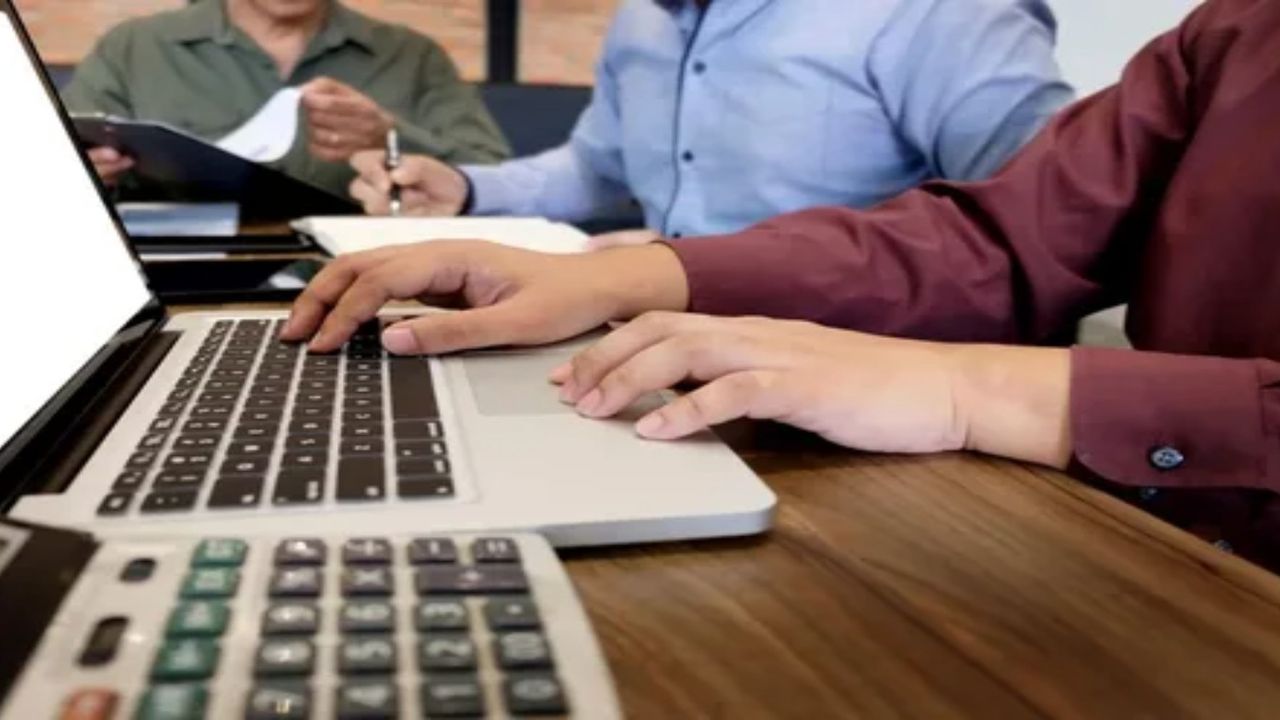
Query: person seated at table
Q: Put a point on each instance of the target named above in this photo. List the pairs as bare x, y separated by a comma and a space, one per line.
1163, 191
716, 115
210, 67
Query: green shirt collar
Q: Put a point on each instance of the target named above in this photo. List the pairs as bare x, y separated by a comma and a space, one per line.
206, 20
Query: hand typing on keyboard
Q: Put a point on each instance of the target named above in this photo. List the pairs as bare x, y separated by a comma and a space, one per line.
515, 297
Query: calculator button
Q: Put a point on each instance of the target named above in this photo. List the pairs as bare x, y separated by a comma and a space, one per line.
175, 701
368, 700
534, 694
367, 616
301, 551
169, 501
278, 701
189, 659
130, 480
90, 704
220, 552
424, 551
451, 697
211, 583
366, 581
511, 614
138, 570
446, 651
296, 582
104, 641
521, 650
201, 618
367, 655
495, 550
366, 551
454, 580
285, 657
115, 503
442, 615
290, 619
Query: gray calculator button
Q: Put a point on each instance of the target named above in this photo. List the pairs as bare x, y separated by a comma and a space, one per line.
516, 613
367, 616
452, 697
442, 615
521, 650
301, 551
285, 657
456, 580
297, 582
278, 701
495, 550
291, 619
368, 700
446, 651
367, 655
366, 581
366, 551
534, 694
424, 551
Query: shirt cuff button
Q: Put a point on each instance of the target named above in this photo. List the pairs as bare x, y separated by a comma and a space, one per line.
1166, 457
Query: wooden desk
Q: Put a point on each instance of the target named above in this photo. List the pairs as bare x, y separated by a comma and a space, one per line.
951, 586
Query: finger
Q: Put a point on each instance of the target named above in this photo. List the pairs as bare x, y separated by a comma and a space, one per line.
373, 201
591, 365
105, 155
371, 166
755, 394
323, 85
324, 290
438, 333
342, 106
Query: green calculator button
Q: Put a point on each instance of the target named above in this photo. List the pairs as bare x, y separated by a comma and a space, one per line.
211, 583
199, 618
173, 702
188, 659
220, 552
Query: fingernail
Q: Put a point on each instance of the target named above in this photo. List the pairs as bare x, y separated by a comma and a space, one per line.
650, 424
561, 374
400, 341
588, 404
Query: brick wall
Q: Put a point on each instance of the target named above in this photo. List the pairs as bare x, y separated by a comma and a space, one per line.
559, 38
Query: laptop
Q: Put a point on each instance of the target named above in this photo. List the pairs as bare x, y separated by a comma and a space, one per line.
121, 419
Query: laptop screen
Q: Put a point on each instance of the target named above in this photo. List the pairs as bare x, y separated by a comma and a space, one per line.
67, 281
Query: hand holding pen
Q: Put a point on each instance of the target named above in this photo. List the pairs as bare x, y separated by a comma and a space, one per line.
392, 163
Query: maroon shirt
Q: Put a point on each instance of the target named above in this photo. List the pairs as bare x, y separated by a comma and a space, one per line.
1163, 192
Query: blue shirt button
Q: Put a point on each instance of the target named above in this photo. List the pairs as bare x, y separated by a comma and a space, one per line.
686, 156
1166, 457
699, 67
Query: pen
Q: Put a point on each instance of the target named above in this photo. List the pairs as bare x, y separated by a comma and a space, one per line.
393, 162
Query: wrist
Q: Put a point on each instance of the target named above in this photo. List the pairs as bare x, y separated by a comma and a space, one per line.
634, 280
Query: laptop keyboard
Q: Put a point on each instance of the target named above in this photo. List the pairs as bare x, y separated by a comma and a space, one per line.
256, 421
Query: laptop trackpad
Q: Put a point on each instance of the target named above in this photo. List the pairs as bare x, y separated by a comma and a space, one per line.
514, 382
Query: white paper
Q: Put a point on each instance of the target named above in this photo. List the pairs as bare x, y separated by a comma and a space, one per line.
342, 235
180, 219
269, 134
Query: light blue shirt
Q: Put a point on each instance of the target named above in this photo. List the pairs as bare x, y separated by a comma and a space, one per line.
714, 120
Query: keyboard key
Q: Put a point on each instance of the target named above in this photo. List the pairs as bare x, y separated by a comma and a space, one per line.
524, 650
364, 366
375, 581
141, 460
196, 442
302, 459
285, 657
306, 442
90, 704
449, 696
441, 614
320, 361
446, 651
264, 389
261, 416
534, 694
267, 402
245, 465
257, 431
373, 699
291, 618
115, 503
170, 409
312, 411
366, 402
362, 416
360, 477
236, 491
418, 449
367, 616
173, 701
250, 448
299, 487
371, 446
412, 395
423, 467
309, 426
270, 375
362, 389
188, 459
220, 552
517, 613
218, 396
459, 580
225, 385
199, 619
129, 480
229, 374
297, 582
186, 659
152, 441
162, 425
367, 655
278, 701
418, 430
362, 430
159, 501
495, 550
433, 550
210, 583
187, 479
423, 487
366, 551
312, 397
364, 377
207, 425
301, 551
211, 411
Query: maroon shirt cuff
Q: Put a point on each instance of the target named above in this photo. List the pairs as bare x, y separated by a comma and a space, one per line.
1210, 422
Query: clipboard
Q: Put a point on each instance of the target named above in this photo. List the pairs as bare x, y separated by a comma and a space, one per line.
191, 169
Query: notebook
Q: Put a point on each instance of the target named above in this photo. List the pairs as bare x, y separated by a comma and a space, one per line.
342, 235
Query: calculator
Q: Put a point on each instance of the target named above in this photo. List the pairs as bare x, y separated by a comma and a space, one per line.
298, 626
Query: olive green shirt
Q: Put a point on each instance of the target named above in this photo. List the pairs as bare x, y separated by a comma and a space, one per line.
193, 69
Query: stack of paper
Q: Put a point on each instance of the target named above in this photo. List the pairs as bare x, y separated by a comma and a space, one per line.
341, 235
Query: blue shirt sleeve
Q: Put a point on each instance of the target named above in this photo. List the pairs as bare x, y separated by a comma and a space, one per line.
969, 83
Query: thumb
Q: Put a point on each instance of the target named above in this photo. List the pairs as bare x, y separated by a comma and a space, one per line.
440, 332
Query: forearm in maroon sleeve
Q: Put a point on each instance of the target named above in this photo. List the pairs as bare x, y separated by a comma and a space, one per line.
1215, 421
